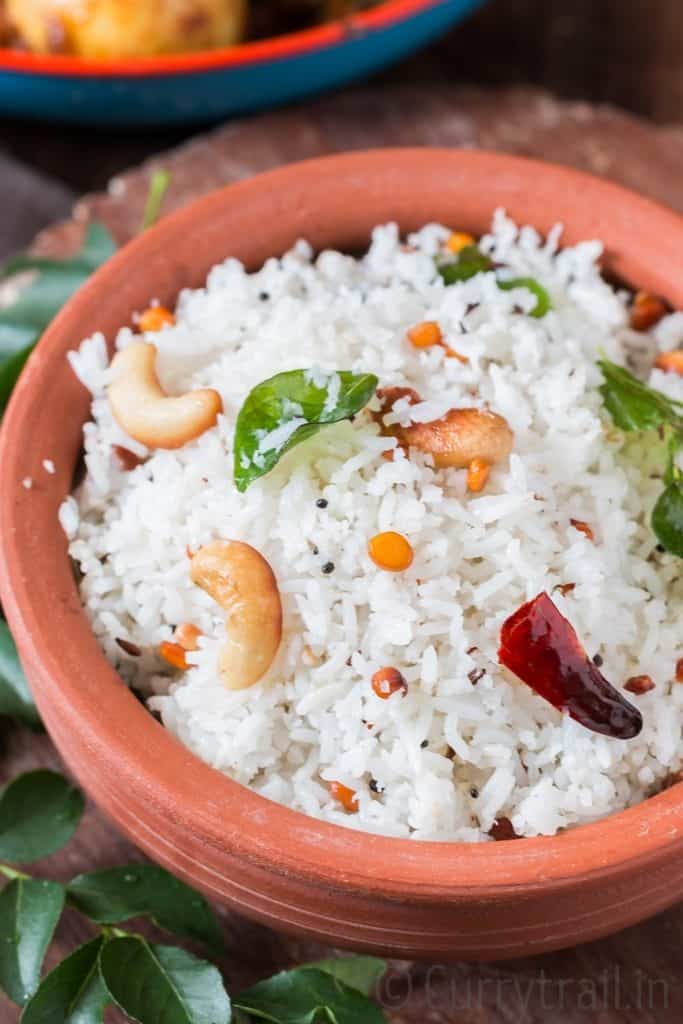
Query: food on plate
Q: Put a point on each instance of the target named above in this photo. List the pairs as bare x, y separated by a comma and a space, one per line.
100, 29
122, 29
417, 595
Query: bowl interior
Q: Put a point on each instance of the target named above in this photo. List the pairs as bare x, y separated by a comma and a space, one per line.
119, 752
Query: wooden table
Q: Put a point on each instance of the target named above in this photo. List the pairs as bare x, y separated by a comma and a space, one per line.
635, 977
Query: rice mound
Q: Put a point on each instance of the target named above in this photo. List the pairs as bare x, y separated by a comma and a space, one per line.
469, 743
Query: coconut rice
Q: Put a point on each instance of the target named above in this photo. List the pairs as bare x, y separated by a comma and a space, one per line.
468, 744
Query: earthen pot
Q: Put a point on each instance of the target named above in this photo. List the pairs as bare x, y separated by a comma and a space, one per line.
448, 900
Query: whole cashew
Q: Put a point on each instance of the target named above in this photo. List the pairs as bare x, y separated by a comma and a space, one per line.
144, 410
239, 578
455, 440
461, 436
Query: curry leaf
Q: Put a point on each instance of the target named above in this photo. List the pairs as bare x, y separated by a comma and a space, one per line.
667, 518
635, 406
10, 369
15, 696
306, 996
470, 262
145, 890
41, 300
359, 972
15, 338
98, 246
55, 281
73, 993
281, 412
29, 912
39, 812
543, 304
632, 404
162, 984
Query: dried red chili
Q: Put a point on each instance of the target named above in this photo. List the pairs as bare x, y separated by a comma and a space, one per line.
540, 646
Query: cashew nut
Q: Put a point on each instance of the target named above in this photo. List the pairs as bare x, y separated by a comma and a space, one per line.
239, 578
144, 410
461, 436
457, 438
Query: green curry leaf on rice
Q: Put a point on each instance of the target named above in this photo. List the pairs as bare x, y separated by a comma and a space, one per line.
634, 406
285, 410
471, 261
543, 304
667, 518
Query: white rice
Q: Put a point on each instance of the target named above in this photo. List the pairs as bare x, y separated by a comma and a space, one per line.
451, 757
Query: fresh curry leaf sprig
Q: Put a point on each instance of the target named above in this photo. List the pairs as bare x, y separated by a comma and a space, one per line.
281, 412
150, 983
634, 406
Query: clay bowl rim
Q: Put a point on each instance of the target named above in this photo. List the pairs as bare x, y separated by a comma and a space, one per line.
125, 738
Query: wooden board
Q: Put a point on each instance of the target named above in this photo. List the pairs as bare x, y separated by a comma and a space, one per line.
636, 976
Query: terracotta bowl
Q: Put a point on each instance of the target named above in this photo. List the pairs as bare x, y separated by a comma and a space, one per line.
410, 899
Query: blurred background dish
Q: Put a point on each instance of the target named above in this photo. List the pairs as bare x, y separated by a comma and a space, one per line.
107, 70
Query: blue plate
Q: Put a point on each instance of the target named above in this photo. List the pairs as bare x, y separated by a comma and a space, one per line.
209, 85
